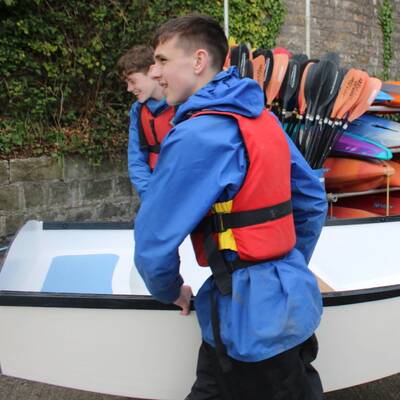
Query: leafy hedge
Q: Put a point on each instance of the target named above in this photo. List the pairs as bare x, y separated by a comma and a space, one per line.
59, 91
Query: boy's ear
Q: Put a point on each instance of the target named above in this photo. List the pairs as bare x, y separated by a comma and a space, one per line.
201, 61
151, 70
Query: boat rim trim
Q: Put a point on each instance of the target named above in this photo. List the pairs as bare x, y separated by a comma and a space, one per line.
60, 225
147, 302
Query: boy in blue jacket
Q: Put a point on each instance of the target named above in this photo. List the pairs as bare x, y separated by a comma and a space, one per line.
145, 136
258, 330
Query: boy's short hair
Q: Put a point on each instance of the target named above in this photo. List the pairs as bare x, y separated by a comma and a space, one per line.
137, 59
196, 31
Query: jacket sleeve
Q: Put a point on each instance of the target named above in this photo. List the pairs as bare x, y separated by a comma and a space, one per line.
138, 168
198, 163
309, 202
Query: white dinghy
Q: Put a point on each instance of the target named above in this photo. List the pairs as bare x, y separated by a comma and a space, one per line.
74, 312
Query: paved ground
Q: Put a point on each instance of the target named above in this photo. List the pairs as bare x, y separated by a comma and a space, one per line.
18, 389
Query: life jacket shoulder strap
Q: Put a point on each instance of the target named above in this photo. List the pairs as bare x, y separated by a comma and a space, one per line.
144, 144
147, 118
214, 112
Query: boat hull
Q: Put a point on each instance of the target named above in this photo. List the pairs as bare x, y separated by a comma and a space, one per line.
131, 345
151, 354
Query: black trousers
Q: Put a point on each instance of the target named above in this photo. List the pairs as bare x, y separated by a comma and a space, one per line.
287, 376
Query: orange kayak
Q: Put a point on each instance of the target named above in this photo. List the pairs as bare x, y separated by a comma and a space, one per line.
395, 178
355, 175
347, 212
394, 93
373, 203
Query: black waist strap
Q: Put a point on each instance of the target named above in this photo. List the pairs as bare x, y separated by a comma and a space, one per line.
222, 221
222, 269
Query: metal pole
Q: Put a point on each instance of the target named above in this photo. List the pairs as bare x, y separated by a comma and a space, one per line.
308, 27
226, 18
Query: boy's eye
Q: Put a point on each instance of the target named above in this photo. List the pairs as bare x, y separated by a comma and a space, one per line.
161, 60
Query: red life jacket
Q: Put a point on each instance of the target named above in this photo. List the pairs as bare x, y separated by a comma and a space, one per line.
153, 129
258, 222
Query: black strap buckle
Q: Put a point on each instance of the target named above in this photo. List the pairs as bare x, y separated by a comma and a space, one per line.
155, 148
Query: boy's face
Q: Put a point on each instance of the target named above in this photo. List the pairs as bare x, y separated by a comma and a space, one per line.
141, 85
174, 69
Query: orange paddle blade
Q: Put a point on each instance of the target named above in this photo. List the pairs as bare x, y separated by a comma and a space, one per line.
344, 90
281, 62
259, 70
227, 62
354, 95
349, 92
368, 95
301, 99
282, 50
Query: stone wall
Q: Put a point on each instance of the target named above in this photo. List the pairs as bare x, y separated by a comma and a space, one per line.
41, 188
348, 27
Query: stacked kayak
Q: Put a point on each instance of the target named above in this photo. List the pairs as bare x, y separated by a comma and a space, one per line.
356, 175
377, 204
360, 146
389, 102
360, 188
379, 130
341, 212
362, 176
393, 89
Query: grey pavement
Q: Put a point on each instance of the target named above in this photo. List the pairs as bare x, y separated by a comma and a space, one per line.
19, 389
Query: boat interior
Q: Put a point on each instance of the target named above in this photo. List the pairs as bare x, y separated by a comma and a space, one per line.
100, 261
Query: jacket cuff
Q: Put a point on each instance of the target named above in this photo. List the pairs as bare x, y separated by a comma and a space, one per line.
169, 294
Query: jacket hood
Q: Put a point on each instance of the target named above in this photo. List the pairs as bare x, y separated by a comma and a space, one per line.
225, 92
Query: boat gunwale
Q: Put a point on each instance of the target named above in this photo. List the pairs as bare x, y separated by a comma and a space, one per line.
61, 225
147, 302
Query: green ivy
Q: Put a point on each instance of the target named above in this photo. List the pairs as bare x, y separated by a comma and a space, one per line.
386, 21
59, 91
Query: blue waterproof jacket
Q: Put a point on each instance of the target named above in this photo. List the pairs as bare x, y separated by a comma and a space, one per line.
274, 305
138, 167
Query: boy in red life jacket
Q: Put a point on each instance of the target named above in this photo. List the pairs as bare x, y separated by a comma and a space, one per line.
150, 115
231, 177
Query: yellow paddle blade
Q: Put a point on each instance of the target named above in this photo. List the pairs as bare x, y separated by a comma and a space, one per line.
232, 41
